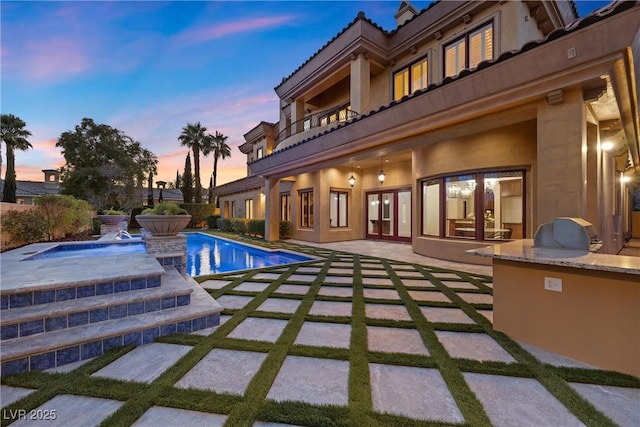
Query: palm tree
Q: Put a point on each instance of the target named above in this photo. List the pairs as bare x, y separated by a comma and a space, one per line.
194, 136
14, 135
216, 145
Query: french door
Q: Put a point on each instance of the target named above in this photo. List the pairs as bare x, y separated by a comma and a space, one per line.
388, 215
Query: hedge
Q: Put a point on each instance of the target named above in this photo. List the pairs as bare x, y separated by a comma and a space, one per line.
224, 224
255, 227
285, 229
212, 221
239, 225
198, 212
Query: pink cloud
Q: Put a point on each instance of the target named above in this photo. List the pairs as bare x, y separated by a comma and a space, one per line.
51, 59
216, 31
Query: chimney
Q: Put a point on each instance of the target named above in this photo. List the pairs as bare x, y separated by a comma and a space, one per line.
405, 12
51, 178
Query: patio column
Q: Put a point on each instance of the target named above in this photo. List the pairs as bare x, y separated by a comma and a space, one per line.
561, 178
272, 209
360, 83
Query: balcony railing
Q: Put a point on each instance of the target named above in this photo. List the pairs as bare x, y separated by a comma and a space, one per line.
321, 119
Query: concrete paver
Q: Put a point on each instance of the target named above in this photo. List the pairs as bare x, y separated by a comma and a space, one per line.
252, 286
233, 301
386, 311
324, 335
279, 305
445, 315
298, 380
70, 411
292, 289
476, 346
223, 371
620, 404
429, 296
381, 294
330, 308
413, 392
395, 340
11, 394
144, 363
258, 329
157, 416
335, 291
510, 401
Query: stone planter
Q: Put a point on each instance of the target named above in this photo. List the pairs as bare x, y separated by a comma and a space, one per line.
163, 225
113, 219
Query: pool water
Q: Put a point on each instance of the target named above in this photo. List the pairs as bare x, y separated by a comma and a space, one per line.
210, 255
79, 250
205, 254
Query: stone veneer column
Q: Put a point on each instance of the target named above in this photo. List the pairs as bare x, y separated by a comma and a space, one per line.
360, 83
169, 250
272, 209
561, 165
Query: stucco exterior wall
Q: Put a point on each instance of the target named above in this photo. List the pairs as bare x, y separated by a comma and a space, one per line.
508, 147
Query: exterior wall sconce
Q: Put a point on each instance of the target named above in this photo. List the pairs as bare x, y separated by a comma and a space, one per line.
381, 175
352, 179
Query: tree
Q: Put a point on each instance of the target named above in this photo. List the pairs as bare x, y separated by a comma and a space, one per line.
103, 165
194, 136
216, 145
14, 135
187, 181
149, 163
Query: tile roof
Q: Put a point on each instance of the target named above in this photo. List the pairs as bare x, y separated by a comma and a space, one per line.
613, 8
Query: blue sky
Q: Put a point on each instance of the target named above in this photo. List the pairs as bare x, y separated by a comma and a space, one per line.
148, 68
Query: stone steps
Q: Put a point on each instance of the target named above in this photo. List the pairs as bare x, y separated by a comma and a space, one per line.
59, 311
45, 318
59, 347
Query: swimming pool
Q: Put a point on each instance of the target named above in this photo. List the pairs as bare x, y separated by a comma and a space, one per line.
206, 254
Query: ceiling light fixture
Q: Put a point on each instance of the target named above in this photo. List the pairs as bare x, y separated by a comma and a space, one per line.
352, 179
381, 175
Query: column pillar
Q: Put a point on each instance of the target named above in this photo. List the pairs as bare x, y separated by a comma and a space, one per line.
297, 114
561, 178
272, 209
360, 91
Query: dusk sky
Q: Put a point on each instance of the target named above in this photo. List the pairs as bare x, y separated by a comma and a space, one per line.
148, 68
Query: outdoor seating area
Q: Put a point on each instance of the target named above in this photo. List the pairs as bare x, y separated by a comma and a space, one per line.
347, 339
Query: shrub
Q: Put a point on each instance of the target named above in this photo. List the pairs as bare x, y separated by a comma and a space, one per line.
212, 221
64, 215
285, 229
255, 227
165, 209
224, 224
26, 226
239, 225
198, 212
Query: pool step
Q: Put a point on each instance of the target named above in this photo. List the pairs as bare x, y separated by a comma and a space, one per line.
56, 348
48, 281
46, 318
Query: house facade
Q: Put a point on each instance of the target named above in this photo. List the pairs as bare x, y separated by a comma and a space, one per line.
471, 123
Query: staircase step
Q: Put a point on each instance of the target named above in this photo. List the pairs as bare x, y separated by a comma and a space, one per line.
31, 283
45, 318
44, 351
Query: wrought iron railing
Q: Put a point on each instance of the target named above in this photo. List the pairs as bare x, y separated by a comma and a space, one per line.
340, 113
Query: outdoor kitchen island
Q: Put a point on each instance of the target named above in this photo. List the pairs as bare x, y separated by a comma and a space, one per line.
579, 304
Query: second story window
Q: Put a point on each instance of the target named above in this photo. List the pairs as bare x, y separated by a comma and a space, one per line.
260, 153
469, 50
410, 79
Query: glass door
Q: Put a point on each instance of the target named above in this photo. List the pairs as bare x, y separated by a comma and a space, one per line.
389, 215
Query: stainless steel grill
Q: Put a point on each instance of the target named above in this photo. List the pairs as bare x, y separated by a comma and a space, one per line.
567, 233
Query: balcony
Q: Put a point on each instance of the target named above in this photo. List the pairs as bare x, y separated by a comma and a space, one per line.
313, 125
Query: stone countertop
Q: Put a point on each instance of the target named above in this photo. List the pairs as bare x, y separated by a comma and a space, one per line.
524, 251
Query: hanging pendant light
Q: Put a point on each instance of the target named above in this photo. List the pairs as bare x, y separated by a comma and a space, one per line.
381, 174
352, 179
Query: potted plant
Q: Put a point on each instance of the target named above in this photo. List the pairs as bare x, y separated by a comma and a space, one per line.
164, 219
113, 217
